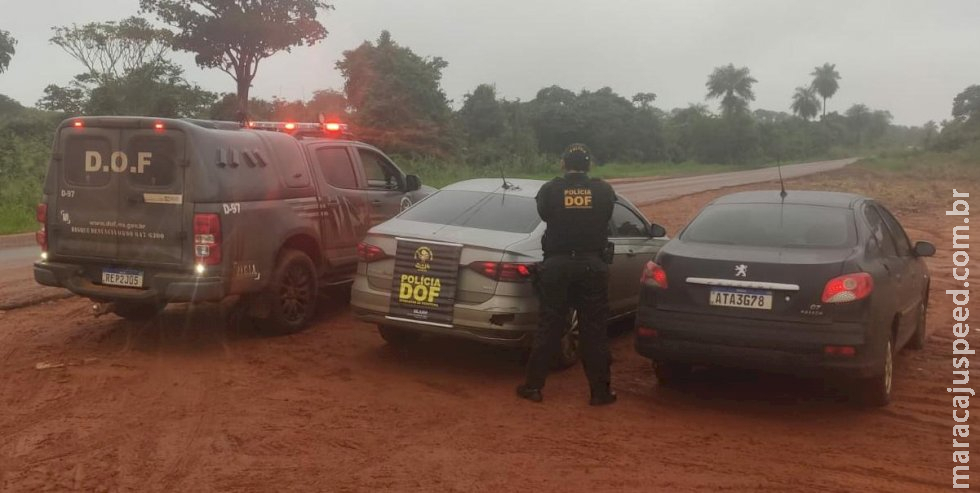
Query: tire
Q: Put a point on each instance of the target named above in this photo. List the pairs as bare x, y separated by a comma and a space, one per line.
398, 337
918, 340
570, 349
669, 373
877, 391
137, 310
292, 294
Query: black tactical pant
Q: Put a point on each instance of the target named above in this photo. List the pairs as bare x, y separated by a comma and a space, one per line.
565, 282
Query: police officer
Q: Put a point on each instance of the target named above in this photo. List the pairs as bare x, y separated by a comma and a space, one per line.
574, 274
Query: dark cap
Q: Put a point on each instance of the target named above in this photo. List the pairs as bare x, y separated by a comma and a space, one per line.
577, 157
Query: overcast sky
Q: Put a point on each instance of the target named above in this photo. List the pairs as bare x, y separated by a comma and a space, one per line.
909, 57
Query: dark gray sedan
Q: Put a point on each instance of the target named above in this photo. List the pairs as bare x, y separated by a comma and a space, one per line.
813, 283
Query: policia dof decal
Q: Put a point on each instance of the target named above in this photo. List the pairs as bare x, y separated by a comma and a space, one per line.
424, 282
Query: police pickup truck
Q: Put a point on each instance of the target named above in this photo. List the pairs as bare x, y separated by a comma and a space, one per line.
138, 212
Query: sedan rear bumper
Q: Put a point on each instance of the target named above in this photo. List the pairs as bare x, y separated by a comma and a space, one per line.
501, 321
795, 348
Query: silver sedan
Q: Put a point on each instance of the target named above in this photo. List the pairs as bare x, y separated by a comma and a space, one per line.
461, 263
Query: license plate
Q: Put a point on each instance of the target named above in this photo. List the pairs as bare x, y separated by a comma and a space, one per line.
123, 277
741, 298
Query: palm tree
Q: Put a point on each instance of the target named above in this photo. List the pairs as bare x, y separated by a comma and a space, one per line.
805, 103
825, 82
733, 85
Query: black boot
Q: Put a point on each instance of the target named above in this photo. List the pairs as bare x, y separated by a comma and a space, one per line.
530, 393
602, 396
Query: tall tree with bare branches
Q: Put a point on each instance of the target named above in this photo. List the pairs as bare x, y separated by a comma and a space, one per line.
235, 35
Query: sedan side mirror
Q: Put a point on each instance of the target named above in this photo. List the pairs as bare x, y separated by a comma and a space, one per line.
924, 249
412, 183
657, 231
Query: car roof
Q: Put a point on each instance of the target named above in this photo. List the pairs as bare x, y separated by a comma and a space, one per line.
524, 187
800, 197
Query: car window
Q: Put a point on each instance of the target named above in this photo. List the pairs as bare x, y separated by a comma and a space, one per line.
337, 168
162, 166
879, 232
773, 225
480, 210
380, 174
625, 224
77, 150
902, 243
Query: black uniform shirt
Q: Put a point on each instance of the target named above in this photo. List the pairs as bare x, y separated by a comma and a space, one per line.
577, 209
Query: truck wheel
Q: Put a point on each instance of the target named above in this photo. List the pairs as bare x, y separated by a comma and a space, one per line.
669, 373
570, 351
398, 337
877, 391
918, 340
138, 310
291, 294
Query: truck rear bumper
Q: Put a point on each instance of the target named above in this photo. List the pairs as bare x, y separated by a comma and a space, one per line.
158, 287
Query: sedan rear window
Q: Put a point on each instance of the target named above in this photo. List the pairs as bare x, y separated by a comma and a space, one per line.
773, 225
480, 210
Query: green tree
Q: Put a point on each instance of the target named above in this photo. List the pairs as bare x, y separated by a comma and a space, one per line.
482, 116
930, 130
805, 103
328, 102
644, 99
235, 35
152, 90
396, 97
226, 108
7, 44
109, 50
966, 105
127, 73
859, 119
733, 86
824, 82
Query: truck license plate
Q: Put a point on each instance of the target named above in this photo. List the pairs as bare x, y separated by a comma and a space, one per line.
123, 277
741, 298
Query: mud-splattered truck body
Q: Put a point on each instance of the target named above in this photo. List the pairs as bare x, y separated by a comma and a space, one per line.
140, 212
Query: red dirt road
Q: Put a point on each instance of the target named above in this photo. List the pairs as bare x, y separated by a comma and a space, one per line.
185, 404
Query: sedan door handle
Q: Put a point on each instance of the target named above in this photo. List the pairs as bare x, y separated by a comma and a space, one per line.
630, 253
377, 203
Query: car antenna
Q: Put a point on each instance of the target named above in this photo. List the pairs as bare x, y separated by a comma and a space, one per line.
782, 186
507, 185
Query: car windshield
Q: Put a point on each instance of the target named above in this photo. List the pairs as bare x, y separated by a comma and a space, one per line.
480, 210
773, 225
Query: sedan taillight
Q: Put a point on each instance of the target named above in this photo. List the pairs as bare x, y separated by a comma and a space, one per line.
368, 253
849, 287
504, 271
653, 275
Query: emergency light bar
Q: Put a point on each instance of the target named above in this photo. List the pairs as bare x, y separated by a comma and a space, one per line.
330, 129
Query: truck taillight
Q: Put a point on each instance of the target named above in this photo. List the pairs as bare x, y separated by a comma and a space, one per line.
504, 271
41, 214
207, 239
653, 275
368, 253
849, 287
